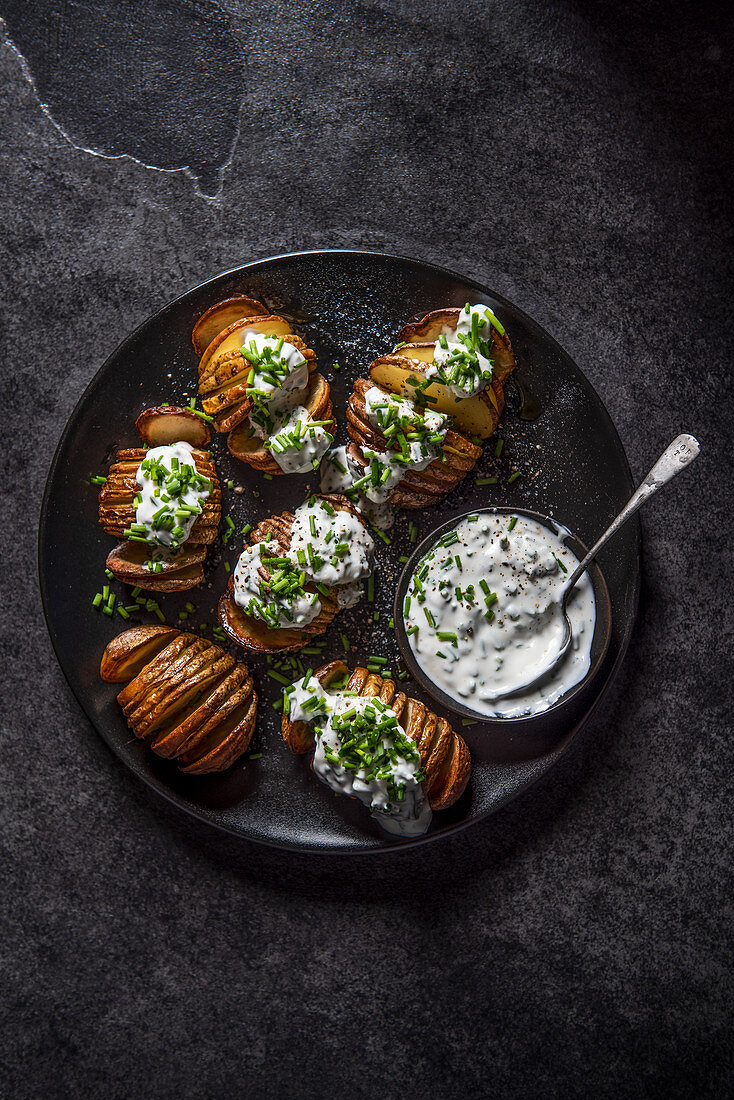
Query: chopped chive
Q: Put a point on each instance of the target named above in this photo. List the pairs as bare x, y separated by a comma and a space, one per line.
498, 448
385, 538
512, 523
513, 477
345, 643
277, 676
227, 567
123, 613
97, 600
486, 481
563, 567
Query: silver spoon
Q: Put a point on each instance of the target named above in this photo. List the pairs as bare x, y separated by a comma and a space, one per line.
674, 458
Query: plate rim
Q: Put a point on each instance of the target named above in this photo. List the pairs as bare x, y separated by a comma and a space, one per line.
157, 785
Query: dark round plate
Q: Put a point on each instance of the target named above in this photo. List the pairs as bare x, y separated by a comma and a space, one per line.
348, 306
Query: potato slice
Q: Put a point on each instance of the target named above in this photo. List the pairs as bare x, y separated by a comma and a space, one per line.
127, 562
254, 635
230, 338
247, 447
221, 316
166, 424
127, 654
475, 416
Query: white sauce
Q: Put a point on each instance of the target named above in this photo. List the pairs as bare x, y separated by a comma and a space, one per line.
338, 475
279, 416
177, 508
340, 552
277, 610
302, 454
409, 815
459, 341
523, 583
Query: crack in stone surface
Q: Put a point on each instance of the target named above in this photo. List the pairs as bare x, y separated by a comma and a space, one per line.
161, 88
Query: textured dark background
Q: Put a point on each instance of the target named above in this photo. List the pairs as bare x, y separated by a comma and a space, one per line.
577, 157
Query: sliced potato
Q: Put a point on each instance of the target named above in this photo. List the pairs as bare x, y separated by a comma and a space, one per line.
154, 670
248, 447
221, 316
127, 562
129, 652
475, 416
166, 424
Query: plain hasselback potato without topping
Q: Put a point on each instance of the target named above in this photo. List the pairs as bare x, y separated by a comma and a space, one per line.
185, 696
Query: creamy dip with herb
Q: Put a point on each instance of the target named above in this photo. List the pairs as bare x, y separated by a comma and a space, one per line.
331, 544
362, 751
278, 385
330, 550
415, 439
482, 612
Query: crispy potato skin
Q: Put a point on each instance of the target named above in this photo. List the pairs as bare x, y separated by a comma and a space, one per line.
127, 654
184, 694
253, 634
444, 754
220, 316
419, 488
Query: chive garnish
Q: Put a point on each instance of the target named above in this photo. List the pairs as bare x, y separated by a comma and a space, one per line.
513, 477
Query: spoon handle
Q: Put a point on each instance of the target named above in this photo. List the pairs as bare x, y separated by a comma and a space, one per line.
674, 458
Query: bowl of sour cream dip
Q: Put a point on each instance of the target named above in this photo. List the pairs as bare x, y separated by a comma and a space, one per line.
478, 614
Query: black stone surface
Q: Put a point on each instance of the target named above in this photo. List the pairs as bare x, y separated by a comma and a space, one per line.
578, 158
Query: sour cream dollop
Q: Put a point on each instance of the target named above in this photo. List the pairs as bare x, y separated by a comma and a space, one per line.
170, 498
279, 386
349, 729
483, 614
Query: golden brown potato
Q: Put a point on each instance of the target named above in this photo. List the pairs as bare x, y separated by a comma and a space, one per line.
444, 754
186, 694
221, 316
419, 488
246, 446
166, 424
400, 372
